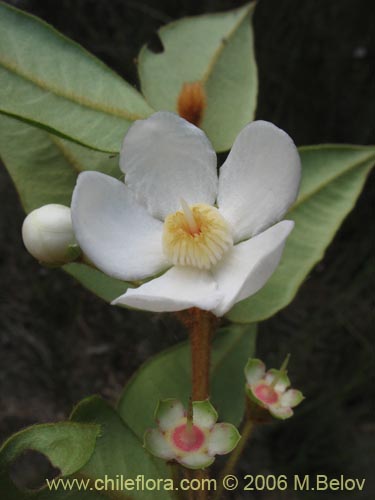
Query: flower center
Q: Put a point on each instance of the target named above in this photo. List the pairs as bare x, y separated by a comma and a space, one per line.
188, 438
266, 393
196, 236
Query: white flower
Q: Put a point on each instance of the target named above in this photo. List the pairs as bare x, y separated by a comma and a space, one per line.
194, 445
215, 240
48, 235
270, 389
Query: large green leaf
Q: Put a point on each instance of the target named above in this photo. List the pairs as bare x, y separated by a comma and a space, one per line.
216, 50
167, 375
44, 169
96, 444
54, 83
100, 284
119, 452
68, 445
332, 179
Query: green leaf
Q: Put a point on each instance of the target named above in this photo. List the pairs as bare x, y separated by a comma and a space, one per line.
232, 349
119, 452
52, 82
68, 446
216, 50
167, 375
44, 169
96, 444
103, 286
332, 179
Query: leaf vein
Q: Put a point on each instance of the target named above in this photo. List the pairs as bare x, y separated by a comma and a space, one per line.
77, 99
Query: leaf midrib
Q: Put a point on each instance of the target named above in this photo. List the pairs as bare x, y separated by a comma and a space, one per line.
76, 99
67, 155
216, 55
322, 186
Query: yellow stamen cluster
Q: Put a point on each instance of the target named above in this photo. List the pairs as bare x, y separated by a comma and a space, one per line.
196, 236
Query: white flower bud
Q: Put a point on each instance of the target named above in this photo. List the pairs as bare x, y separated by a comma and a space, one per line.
48, 235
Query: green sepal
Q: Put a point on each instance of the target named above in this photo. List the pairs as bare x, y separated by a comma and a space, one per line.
282, 378
255, 369
204, 414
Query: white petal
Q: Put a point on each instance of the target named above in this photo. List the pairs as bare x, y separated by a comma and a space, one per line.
115, 232
283, 381
249, 265
259, 180
223, 439
254, 371
169, 413
165, 158
179, 288
196, 460
281, 412
291, 398
156, 444
204, 414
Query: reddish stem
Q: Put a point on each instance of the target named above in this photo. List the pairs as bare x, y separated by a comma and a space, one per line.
202, 325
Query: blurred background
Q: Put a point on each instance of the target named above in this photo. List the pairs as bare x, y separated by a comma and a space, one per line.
59, 343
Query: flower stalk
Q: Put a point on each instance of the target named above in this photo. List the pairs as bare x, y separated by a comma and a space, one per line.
202, 328
201, 325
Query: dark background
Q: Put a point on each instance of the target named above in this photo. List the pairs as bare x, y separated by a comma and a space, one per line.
58, 343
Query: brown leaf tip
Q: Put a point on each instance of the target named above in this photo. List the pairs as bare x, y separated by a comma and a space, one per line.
191, 102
